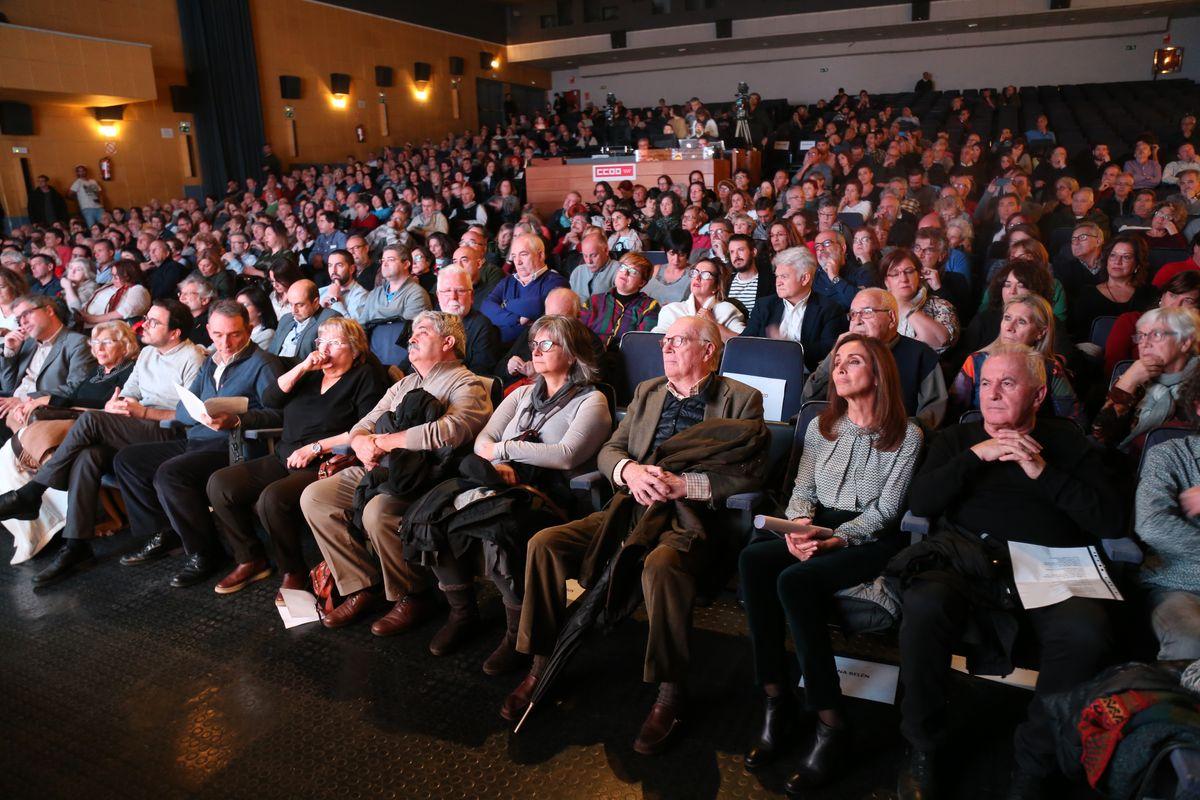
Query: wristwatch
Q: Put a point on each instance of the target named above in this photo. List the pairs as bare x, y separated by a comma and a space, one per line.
316, 448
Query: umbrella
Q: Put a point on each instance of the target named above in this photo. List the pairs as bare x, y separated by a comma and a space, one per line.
588, 611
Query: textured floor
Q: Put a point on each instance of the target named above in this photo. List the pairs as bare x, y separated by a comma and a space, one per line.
117, 685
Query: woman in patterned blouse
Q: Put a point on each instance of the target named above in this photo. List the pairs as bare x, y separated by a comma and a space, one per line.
923, 316
850, 490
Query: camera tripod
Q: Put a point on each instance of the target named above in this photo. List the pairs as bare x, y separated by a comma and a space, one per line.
742, 131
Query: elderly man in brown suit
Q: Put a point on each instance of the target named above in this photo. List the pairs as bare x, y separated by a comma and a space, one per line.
656, 431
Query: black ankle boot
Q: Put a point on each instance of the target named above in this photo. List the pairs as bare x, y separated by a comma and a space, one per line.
779, 721
917, 777
817, 766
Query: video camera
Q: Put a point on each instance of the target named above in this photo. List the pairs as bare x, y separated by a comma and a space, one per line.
741, 101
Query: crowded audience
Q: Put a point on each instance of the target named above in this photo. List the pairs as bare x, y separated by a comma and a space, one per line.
999, 329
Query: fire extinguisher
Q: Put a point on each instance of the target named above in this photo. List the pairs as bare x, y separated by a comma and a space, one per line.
106, 168
360, 133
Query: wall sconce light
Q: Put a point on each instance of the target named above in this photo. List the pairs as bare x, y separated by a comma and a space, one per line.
421, 93
339, 85
488, 60
422, 72
108, 117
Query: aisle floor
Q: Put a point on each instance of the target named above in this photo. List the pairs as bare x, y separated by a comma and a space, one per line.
120, 686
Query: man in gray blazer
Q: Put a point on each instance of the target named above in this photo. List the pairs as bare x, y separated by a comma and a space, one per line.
298, 330
41, 357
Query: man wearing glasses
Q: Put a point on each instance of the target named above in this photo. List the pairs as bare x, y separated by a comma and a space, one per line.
873, 313
662, 408
795, 311
833, 280
1083, 267
597, 272
132, 416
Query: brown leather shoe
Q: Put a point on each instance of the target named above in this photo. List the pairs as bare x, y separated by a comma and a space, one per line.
243, 576
657, 730
518, 700
351, 609
409, 611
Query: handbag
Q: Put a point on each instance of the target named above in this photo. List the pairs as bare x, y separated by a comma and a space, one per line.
336, 463
324, 588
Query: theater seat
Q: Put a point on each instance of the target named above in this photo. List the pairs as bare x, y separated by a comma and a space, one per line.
778, 359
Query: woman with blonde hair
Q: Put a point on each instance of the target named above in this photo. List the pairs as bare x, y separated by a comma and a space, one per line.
1027, 319
41, 424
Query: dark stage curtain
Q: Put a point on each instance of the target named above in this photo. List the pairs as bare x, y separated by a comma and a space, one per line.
218, 49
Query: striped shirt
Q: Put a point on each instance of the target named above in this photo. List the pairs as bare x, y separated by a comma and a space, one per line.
745, 292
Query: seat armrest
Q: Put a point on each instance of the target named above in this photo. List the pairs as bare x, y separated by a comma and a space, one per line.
1122, 551
586, 481
746, 501
917, 526
264, 433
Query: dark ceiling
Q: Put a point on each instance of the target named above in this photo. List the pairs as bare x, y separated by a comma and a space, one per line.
479, 19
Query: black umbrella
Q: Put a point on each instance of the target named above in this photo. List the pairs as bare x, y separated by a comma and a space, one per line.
588, 611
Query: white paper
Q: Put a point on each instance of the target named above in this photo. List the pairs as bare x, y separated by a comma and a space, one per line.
299, 608
772, 391
1049, 575
867, 680
202, 410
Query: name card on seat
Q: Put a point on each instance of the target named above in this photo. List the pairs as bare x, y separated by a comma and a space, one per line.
772, 391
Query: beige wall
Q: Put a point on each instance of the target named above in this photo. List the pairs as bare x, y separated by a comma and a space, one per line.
311, 40
145, 164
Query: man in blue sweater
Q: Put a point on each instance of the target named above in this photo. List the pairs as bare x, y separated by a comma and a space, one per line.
520, 298
163, 482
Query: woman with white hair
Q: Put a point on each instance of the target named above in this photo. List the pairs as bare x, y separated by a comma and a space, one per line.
79, 283
1148, 394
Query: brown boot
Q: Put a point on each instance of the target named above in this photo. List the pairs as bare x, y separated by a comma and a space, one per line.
461, 624
505, 658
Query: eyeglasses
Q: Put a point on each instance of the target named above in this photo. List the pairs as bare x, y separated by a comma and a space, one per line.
541, 345
905, 273
1082, 237
1155, 336
706, 276
676, 342
828, 244
22, 316
628, 270
923, 250
1122, 257
866, 314
102, 342
334, 343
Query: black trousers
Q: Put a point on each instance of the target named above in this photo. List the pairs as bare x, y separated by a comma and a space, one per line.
1075, 641
782, 593
266, 490
84, 456
163, 487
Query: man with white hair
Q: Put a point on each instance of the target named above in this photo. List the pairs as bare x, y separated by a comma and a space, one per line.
1013, 477
873, 313
795, 311
520, 298
597, 272
456, 295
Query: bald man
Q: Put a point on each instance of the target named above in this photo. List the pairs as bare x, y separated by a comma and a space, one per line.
298, 329
471, 257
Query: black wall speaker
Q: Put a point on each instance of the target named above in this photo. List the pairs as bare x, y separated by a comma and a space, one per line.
920, 10
339, 83
16, 119
289, 87
457, 66
183, 99
384, 76
422, 71
485, 59
1057, 4
618, 39
724, 28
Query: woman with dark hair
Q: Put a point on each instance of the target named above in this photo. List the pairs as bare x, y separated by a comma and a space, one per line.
322, 397
440, 248
849, 493
1126, 262
263, 319
668, 219
923, 315
1015, 278
122, 298
278, 251
782, 235
1182, 291
537, 437
1166, 226
423, 270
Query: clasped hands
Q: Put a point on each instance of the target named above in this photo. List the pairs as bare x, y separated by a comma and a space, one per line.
649, 484
1010, 445
812, 540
